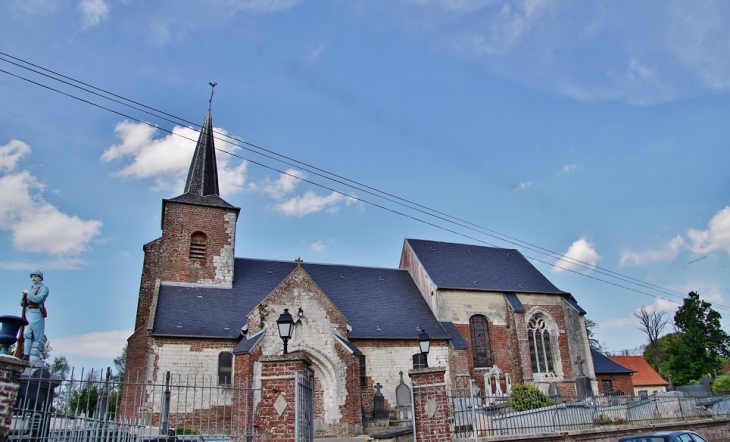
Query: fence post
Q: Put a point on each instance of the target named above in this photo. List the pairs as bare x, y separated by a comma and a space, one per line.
165, 407
430, 402
473, 409
10, 369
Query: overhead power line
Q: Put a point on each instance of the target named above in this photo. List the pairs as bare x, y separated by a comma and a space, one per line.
338, 179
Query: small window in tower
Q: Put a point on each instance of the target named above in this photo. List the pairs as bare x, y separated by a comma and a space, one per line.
197, 245
225, 368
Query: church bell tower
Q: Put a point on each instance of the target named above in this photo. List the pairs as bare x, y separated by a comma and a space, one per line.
199, 227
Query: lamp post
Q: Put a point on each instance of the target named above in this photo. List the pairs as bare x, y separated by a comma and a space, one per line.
424, 343
285, 323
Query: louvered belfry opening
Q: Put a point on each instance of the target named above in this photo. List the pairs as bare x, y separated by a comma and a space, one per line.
197, 245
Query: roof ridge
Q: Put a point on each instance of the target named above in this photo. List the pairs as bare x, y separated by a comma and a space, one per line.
322, 264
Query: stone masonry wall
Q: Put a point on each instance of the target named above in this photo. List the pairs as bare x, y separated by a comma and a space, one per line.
385, 359
314, 335
10, 369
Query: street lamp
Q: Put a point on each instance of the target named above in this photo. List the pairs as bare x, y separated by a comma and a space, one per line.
424, 342
286, 326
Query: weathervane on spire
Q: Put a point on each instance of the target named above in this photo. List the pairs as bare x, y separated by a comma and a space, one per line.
212, 91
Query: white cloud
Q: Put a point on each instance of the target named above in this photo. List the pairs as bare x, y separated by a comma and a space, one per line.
304, 204
36, 225
11, 153
715, 237
93, 12
522, 186
319, 246
166, 160
309, 203
285, 184
640, 53
581, 250
668, 254
106, 344
698, 241
64, 263
619, 323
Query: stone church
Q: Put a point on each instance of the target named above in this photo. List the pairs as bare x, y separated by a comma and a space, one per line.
203, 311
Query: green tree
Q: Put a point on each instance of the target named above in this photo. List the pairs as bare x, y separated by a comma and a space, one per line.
120, 364
658, 351
698, 344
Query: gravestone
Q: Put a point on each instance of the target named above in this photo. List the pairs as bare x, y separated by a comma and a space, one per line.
379, 411
402, 400
582, 382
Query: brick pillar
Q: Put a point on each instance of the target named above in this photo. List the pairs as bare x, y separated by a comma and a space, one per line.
430, 404
276, 411
523, 348
10, 369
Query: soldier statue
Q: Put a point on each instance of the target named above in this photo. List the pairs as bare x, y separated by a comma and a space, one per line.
35, 312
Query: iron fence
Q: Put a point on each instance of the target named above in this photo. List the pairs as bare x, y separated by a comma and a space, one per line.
474, 415
96, 406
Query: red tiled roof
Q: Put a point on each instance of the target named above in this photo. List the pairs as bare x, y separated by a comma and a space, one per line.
645, 375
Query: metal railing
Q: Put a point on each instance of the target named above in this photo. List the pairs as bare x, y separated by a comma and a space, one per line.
473, 415
96, 406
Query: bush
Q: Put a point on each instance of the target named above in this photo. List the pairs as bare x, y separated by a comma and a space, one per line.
527, 397
722, 383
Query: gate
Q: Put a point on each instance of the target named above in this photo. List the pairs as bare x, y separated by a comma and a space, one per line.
304, 415
96, 407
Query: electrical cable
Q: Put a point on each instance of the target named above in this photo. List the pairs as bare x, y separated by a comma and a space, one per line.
344, 181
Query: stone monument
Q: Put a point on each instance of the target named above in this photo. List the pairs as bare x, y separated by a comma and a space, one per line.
34, 311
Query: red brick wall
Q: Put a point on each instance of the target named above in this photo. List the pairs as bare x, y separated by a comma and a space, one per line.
620, 382
428, 385
179, 223
277, 378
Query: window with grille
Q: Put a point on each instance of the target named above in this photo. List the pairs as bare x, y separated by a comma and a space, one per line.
538, 335
363, 372
607, 385
225, 368
481, 346
197, 245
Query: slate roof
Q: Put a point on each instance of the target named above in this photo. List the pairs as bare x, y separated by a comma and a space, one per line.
645, 375
470, 267
203, 173
378, 303
602, 364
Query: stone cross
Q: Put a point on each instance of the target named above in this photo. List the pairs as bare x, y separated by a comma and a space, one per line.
299, 261
377, 389
579, 361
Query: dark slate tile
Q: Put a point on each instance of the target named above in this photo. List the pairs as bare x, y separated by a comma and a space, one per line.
602, 364
470, 267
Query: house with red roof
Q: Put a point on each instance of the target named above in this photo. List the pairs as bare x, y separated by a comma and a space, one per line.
645, 379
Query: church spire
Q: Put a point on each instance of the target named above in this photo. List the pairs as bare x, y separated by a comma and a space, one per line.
203, 173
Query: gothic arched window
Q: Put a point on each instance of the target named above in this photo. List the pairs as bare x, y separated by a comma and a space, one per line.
538, 336
197, 245
481, 346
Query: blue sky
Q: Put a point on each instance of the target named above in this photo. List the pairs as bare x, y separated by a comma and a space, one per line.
593, 129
